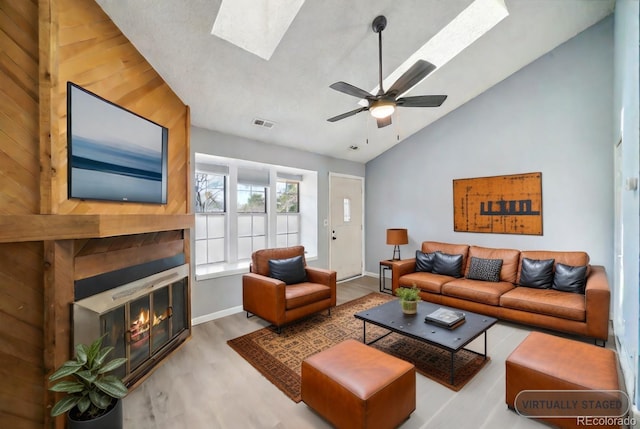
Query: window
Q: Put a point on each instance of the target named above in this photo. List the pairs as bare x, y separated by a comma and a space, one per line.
346, 210
243, 206
252, 219
287, 195
210, 192
252, 199
288, 217
210, 207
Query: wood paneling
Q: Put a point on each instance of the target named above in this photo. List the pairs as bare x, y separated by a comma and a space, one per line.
58, 287
44, 44
95, 55
21, 335
19, 132
138, 250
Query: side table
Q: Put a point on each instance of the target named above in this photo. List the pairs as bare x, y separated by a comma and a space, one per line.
385, 265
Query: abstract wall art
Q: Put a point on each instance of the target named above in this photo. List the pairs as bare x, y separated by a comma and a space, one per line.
509, 204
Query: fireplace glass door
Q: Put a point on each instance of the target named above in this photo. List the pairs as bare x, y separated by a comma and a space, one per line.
140, 326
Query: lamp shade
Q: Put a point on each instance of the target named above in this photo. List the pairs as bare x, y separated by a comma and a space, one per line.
397, 236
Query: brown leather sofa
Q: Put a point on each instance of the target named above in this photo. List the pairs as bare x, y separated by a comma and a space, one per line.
582, 314
279, 303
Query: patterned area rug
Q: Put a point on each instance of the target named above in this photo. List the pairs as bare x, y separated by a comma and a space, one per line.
279, 357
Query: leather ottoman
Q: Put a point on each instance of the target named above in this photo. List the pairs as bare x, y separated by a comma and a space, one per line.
544, 364
353, 385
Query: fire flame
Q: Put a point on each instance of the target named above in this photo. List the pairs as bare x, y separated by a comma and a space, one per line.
141, 324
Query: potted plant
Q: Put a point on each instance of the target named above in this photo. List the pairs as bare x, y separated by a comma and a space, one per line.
409, 297
94, 396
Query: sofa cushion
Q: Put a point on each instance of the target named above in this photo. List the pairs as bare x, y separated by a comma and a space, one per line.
484, 269
575, 259
546, 301
536, 273
510, 259
424, 261
570, 279
428, 282
476, 290
289, 270
451, 249
447, 265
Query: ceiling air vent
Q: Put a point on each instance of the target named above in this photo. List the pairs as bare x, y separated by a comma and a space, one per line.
263, 123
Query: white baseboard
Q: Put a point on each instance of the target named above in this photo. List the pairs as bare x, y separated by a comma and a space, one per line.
233, 310
217, 315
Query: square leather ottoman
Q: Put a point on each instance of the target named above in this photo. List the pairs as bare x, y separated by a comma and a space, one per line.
353, 385
544, 364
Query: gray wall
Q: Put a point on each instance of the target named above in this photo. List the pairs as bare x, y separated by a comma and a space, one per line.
219, 294
553, 116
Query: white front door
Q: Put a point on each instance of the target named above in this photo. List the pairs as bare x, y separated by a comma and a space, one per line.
346, 223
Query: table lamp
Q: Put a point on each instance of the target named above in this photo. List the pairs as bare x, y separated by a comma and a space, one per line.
397, 236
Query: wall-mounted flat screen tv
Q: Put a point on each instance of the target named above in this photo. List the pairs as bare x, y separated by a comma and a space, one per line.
114, 154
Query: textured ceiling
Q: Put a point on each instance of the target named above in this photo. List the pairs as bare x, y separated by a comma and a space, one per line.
227, 87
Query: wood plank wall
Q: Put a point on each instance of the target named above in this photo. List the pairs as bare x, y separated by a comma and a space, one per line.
94, 54
44, 44
21, 267
21, 335
101, 255
19, 130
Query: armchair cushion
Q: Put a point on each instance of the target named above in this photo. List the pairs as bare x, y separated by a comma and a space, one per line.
289, 270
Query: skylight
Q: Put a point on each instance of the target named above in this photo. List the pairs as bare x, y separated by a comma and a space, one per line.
471, 24
256, 26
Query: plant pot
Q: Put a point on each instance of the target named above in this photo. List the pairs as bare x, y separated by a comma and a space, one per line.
112, 419
409, 307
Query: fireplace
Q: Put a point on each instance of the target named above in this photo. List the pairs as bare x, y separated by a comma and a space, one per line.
144, 320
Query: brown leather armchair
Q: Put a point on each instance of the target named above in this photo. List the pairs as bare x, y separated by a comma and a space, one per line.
279, 303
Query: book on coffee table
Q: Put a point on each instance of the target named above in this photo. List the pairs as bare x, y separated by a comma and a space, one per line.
445, 317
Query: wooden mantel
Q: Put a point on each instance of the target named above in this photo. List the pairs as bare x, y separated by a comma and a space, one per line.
21, 228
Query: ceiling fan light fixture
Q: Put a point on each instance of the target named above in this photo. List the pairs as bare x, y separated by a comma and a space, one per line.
381, 109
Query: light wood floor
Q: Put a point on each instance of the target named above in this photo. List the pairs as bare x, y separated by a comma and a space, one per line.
206, 384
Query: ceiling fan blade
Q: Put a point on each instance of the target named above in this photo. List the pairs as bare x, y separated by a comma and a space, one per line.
346, 115
383, 122
411, 77
349, 89
422, 101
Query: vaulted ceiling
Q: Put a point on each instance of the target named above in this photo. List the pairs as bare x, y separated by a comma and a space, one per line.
227, 87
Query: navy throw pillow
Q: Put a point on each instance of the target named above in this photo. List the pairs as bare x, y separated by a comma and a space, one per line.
570, 279
447, 265
485, 269
424, 261
289, 270
536, 273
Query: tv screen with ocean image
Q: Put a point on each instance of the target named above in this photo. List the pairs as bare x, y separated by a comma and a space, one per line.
114, 154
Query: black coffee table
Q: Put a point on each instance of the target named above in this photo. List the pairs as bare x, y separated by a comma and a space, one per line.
391, 317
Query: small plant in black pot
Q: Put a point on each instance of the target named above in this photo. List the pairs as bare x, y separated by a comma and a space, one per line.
92, 393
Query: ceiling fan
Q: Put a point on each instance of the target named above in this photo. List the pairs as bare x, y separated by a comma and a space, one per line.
383, 104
